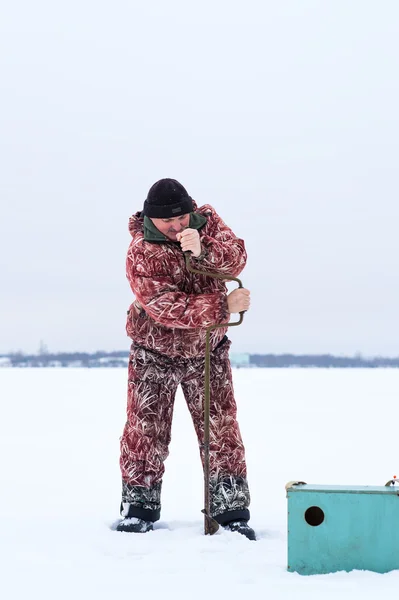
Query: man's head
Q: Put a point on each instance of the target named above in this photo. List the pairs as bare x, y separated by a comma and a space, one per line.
168, 205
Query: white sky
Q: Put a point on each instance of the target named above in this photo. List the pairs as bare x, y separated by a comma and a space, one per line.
282, 115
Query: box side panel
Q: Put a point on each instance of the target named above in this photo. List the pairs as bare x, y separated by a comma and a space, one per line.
358, 532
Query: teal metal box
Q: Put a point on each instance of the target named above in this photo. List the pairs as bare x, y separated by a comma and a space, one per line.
341, 528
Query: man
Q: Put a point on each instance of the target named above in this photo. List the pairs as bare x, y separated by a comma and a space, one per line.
167, 324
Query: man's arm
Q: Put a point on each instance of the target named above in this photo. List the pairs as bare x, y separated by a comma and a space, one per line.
166, 304
222, 250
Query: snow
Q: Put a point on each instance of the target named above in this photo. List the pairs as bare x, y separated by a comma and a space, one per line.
60, 485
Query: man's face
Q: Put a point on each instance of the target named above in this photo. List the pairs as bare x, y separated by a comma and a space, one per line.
170, 227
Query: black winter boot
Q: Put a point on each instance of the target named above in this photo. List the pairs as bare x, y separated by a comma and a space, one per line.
241, 527
135, 525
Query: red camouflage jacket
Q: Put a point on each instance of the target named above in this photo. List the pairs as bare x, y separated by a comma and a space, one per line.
174, 307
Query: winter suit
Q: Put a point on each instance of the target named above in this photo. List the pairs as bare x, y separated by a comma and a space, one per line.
167, 324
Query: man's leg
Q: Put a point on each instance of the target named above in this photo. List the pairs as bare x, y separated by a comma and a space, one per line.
146, 436
228, 474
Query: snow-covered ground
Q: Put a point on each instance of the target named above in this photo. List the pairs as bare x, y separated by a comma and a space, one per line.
60, 485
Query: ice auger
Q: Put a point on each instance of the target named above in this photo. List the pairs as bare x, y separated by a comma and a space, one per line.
210, 525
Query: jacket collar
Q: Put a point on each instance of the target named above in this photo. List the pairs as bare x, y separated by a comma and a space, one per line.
152, 234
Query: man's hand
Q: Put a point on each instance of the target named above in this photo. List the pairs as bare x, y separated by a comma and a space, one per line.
190, 240
238, 300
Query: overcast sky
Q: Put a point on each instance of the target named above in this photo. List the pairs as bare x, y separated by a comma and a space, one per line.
282, 115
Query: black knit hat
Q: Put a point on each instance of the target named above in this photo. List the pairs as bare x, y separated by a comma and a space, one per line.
167, 198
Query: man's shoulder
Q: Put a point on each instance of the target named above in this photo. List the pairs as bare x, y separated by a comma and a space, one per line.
145, 259
207, 210
148, 257
137, 242
142, 248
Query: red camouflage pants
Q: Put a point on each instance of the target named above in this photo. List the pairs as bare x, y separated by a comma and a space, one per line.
152, 385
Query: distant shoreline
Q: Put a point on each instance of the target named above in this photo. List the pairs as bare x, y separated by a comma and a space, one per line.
120, 359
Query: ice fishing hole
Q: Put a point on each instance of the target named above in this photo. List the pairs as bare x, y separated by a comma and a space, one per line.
314, 516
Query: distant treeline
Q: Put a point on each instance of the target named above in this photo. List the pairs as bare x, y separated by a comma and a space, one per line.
67, 359
321, 361
120, 359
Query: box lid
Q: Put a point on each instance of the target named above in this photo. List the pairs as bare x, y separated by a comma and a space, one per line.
343, 489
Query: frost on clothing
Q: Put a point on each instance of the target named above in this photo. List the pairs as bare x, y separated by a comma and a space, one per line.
153, 380
174, 307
